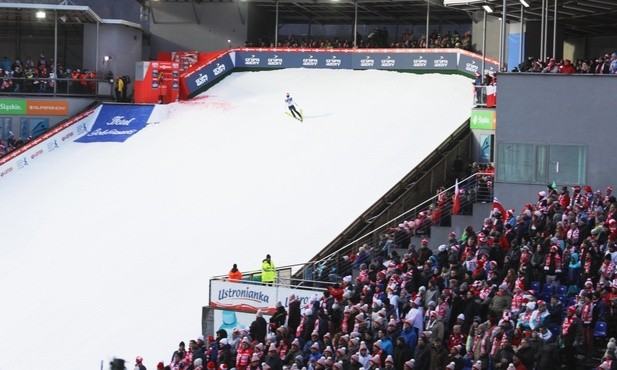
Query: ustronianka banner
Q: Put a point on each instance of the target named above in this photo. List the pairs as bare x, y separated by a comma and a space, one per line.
244, 297
117, 123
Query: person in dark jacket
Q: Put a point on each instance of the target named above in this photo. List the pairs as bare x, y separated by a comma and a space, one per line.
225, 357
439, 355
273, 359
278, 319
181, 351
504, 355
422, 354
547, 357
571, 337
402, 353
294, 352
259, 328
138, 363
555, 310
197, 352
295, 315
526, 353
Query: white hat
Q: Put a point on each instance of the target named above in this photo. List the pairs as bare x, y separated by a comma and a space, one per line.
460, 317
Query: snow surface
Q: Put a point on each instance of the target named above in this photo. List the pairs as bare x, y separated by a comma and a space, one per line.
107, 248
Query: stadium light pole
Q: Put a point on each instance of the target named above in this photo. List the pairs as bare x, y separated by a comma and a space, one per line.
276, 23
555, 30
428, 14
502, 48
483, 45
524, 5
55, 66
546, 28
542, 33
355, 25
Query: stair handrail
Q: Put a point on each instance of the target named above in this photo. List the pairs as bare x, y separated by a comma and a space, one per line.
421, 205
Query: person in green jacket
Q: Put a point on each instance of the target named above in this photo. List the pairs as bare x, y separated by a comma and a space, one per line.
268, 271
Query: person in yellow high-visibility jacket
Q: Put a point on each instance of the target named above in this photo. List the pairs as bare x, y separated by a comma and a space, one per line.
118, 88
268, 271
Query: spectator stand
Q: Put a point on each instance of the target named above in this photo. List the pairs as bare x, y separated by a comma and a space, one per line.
514, 321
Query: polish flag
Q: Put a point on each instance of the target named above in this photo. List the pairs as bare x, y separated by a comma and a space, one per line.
497, 206
491, 96
456, 207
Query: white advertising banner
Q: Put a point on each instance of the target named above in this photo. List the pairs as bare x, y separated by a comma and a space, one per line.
245, 297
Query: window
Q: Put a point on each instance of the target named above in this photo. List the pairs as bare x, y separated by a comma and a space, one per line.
540, 163
567, 164
516, 162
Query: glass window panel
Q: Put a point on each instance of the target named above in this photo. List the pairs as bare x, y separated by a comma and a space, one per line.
541, 173
516, 162
567, 164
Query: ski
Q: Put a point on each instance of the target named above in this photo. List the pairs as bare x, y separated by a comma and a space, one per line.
296, 118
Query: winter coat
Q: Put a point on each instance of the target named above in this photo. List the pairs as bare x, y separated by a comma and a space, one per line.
268, 271
279, 317
547, 357
439, 358
411, 339
274, 362
500, 303
259, 329
422, 355
294, 316
225, 356
402, 353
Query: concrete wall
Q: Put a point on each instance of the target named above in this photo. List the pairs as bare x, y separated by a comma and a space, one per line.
175, 26
493, 29
122, 43
557, 109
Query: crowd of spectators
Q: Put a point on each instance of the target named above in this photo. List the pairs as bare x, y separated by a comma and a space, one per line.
606, 64
524, 290
378, 38
11, 143
37, 77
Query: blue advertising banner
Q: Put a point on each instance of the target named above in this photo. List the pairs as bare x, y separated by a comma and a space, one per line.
117, 123
473, 64
433, 61
421, 60
262, 60
469, 64
199, 80
389, 61
293, 59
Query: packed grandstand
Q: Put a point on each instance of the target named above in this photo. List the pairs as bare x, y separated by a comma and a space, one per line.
533, 289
